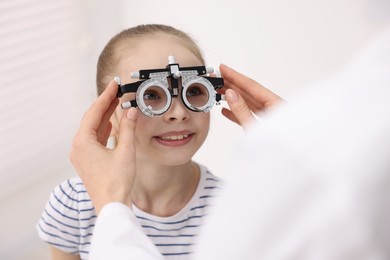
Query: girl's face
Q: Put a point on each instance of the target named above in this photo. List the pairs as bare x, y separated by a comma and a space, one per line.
173, 137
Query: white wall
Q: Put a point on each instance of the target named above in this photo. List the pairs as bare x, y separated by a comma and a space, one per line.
47, 61
285, 45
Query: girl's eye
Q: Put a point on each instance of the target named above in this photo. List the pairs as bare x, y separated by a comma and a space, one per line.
151, 95
194, 91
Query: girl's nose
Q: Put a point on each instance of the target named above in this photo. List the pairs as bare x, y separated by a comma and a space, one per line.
177, 112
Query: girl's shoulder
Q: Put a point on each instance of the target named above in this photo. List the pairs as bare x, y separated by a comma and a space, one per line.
71, 189
208, 179
68, 217
208, 187
70, 196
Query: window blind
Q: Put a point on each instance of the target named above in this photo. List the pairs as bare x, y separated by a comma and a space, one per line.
42, 88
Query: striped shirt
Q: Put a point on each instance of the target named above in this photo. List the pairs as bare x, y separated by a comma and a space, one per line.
68, 219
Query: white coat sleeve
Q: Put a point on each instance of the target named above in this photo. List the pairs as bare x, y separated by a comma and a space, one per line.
118, 235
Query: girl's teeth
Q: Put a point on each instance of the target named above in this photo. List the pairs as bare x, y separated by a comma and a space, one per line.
174, 138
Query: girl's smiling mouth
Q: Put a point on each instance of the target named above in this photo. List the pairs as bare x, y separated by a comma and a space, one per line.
174, 138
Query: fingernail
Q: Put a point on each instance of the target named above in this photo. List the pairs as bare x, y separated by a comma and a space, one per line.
131, 113
117, 79
231, 95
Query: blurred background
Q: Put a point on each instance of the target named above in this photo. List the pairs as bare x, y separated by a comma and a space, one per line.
48, 55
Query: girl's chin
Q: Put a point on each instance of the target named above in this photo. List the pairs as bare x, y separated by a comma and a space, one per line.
173, 159
177, 161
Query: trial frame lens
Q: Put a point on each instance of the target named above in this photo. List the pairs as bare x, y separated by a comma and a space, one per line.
153, 105
203, 97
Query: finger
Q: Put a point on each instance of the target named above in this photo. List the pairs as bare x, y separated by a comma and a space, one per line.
93, 117
244, 86
239, 108
229, 115
102, 129
253, 103
103, 136
257, 99
126, 136
247, 87
253, 100
237, 79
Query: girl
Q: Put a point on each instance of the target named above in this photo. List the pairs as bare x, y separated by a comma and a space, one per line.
171, 193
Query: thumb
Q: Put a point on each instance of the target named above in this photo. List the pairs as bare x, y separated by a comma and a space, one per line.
126, 132
239, 107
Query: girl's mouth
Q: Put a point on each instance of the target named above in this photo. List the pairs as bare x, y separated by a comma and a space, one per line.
174, 139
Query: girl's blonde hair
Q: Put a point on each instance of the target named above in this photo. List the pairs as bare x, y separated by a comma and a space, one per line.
108, 60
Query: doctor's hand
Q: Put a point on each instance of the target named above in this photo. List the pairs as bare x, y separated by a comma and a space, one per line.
108, 174
245, 97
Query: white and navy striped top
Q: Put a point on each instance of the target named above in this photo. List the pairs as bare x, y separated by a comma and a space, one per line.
68, 219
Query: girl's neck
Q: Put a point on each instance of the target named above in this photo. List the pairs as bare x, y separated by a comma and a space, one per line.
164, 190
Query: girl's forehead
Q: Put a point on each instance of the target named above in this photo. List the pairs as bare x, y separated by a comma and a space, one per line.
153, 54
